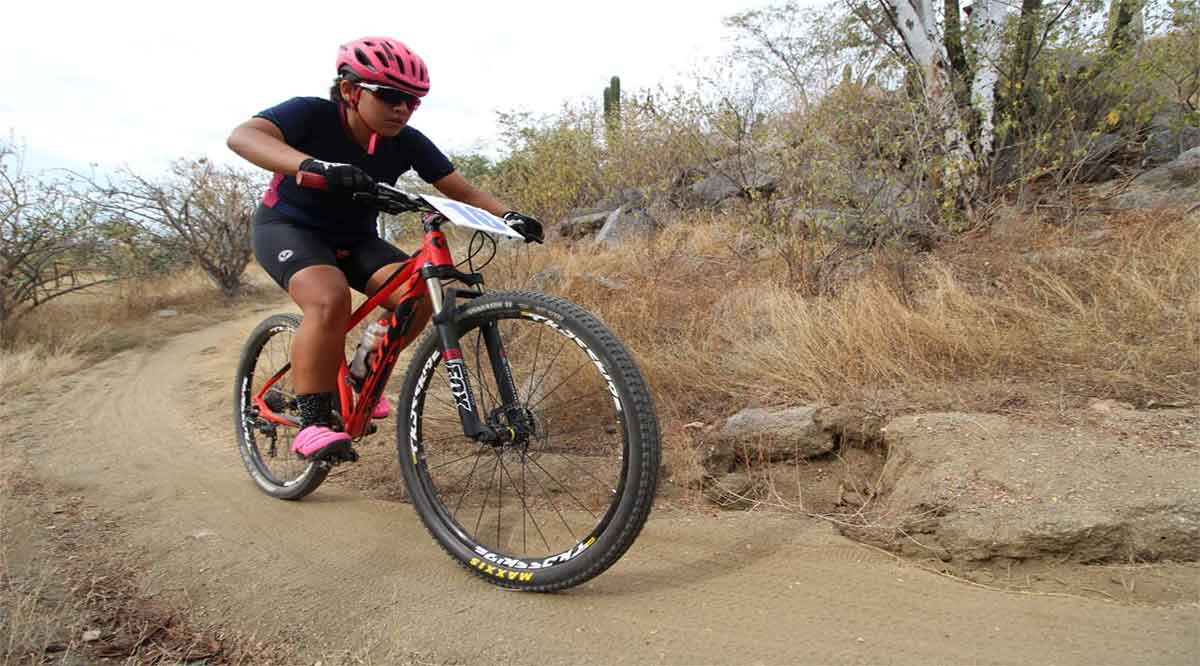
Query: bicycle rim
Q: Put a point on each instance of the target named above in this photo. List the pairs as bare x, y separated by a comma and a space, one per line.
267, 447
547, 497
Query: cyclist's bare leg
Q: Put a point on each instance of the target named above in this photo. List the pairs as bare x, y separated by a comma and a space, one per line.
319, 347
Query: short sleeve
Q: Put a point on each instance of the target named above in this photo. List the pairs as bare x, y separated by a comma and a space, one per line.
427, 160
294, 118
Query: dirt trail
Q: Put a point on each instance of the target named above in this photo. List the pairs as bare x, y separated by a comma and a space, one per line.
148, 437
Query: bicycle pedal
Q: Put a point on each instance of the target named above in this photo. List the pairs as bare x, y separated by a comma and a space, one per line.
348, 455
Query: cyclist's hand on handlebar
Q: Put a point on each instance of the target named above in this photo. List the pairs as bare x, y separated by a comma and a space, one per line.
525, 225
340, 178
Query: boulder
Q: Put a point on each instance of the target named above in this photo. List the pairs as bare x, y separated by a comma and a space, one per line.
971, 487
627, 222
582, 226
1099, 158
1174, 183
547, 279
709, 187
770, 436
1170, 133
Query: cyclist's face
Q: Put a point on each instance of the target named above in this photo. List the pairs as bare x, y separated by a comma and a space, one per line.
387, 119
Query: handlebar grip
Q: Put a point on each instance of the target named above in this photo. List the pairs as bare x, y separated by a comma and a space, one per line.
311, 180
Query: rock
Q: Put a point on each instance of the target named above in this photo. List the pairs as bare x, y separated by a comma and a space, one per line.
1174, 183
850, 424
713, 190
786, 434
583, 226
543, 279
606, 282
629, 197
709, 187
91, 635
166, 313
625, 224
1099, 156
1170, 133
971, 487
733, 491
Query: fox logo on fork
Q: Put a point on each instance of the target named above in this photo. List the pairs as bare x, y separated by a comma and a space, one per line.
458, 385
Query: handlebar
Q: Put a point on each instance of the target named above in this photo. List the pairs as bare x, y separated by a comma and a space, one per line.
385, 198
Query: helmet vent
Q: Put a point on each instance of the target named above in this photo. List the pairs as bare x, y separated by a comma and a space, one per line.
363, 59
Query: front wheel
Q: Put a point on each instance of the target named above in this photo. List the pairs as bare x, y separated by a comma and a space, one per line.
563, 494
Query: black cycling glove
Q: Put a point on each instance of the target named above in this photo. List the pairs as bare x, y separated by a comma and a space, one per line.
341, 178
528, 227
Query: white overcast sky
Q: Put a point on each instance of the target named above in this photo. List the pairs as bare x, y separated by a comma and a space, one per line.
129, 82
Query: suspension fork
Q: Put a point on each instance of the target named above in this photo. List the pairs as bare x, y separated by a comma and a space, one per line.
456, 367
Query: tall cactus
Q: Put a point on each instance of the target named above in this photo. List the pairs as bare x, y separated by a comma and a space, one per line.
612, 105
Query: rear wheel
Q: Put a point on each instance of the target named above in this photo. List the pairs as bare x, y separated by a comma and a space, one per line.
569, 488
266, 447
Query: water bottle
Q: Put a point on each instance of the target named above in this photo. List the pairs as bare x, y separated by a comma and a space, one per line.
364, 357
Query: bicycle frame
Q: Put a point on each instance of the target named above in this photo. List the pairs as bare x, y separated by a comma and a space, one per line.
419, 277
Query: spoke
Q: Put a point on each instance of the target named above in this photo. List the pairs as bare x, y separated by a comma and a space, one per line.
533, 371
499, 498
581, 468
575, 431
524, 537
451, 462
553, 504
457, 434
440, 419
564, 381
439, 398
525, 506
570, 401
470, 474
492, 479
549, 365
565, 489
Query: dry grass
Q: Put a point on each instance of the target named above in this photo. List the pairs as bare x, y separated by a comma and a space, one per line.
72, 332
716, 328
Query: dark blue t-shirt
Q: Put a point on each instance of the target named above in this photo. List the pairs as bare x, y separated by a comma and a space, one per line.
314, 126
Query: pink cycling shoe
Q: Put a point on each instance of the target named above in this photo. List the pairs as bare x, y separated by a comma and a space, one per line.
318, 441
383, 408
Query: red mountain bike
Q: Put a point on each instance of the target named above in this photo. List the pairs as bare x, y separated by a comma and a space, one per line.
527, 436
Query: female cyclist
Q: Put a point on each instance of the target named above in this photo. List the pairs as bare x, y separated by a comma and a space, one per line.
317, 244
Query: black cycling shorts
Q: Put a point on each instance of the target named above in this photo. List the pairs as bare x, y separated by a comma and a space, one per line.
282, 248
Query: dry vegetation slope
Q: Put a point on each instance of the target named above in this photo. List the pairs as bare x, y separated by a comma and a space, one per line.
1028, 320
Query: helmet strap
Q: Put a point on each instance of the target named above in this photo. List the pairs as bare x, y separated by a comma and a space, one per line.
355, 96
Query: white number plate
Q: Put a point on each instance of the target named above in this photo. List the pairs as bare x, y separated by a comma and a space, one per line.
471, 217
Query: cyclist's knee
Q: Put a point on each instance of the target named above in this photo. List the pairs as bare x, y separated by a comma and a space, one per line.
322, 295
328, 307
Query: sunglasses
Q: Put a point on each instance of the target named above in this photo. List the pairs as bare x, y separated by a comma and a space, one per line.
392, 96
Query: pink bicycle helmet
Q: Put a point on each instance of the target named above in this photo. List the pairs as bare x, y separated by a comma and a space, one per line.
385, 61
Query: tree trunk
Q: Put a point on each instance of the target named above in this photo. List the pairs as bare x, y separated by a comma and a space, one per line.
955, 53
1019, 94
959, 175
986, 25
